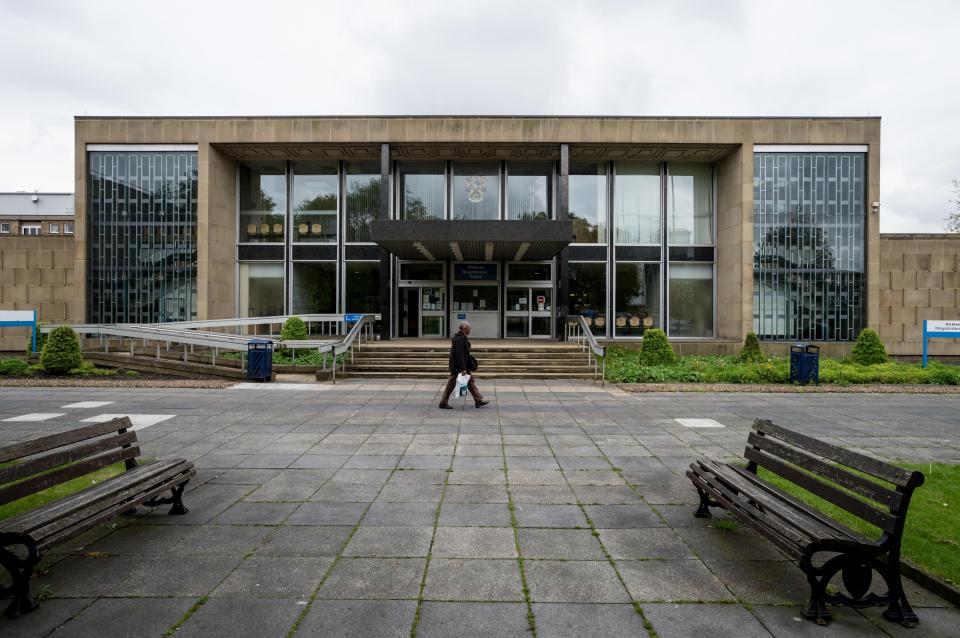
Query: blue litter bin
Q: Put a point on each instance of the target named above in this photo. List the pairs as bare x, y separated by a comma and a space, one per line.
259, 360
804, 363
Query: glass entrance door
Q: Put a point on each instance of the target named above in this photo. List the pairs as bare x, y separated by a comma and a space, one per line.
421, 311
529, 312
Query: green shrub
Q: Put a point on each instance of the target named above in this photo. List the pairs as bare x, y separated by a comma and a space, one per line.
84, 369
869, 349
34, 369
751, 353
294, 329
656, 350
61, 351
131, 373
13, 367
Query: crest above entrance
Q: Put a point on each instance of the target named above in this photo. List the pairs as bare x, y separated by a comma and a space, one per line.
479, 240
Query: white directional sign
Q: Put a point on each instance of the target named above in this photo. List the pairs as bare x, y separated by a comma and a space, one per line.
950, 325
942, 329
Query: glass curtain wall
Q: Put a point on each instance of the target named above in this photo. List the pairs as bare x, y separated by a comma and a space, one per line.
261, 289
422, 190
263, 201
362, 286
475, 191
637, 300
314, 202
142, 236
691, 299
314, 289
637, 204
362, 199
690, 204
588, 293
809, 213
529, 193
588, 203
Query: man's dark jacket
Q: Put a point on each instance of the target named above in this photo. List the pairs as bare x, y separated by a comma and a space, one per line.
459, 354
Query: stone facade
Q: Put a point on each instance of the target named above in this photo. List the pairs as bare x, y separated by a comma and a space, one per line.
222, 139
37, 273
919, 279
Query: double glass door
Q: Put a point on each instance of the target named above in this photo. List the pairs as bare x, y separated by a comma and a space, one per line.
529, 312
422, 311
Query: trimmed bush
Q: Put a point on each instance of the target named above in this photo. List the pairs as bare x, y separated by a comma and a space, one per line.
869, 349
61, 351
13, 367
751, 353
656, 350
294, 329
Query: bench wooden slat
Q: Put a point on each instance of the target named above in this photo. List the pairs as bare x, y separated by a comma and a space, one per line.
122, 497
778, 503
109, 513
37, 517
874, 467
844, 501
60, 439
740, 505
56, 459
858, 484
44, 481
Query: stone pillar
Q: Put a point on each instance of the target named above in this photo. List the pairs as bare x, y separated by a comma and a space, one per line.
386, 310
563, 269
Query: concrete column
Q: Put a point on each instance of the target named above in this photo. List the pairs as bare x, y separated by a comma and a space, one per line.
386, 310
563, 268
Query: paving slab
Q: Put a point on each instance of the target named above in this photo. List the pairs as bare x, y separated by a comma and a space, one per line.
358, 619
374, 578
574, 582
671, 620
115, 617
566, 620
231, 617
473, 580
472, 620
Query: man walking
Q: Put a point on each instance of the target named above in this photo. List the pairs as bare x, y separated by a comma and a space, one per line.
460, 363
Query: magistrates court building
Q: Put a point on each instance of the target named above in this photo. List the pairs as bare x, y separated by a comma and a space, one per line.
707, 227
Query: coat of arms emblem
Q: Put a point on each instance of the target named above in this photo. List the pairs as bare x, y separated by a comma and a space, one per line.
475, 188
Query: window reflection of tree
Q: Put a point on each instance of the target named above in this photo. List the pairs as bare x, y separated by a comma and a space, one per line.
584, 232
363, 206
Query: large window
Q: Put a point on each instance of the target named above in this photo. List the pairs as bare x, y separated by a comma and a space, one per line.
690, 204
529, 190
636, 203
315, 202
422, 190
263, 201
29, 229
637, 302
588, 294
475, 192
691, 300
261, 289
141, 236
362, 199
362, 286
588, 203
314, 288
808, 245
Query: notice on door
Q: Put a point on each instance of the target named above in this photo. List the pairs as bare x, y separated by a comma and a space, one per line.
541, 302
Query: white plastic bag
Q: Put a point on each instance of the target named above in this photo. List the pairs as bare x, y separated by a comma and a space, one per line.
462, 381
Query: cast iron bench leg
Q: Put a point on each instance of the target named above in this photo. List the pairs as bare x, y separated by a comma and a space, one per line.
20, 570
176, 498
703, 510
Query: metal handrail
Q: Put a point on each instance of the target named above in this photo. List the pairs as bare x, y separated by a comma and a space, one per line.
579, 329
365, 321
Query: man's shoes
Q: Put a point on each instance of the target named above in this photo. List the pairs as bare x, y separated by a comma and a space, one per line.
480, 403
444, 406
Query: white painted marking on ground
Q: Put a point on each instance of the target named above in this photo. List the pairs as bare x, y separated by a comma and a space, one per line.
86, 404
139, 421
36, 416
699, 423
280, 386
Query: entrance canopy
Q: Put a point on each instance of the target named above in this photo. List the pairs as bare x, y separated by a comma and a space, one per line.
473, 240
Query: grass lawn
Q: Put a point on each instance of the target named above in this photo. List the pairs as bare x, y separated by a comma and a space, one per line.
931, 539
59, 491
624, 366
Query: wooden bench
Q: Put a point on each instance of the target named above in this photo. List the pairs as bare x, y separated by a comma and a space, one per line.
822, 546
35, 465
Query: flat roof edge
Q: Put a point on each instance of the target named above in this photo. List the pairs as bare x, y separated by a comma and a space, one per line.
470, 117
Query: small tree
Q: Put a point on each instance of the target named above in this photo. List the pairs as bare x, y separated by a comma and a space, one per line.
294, 329
41, 337
751, 353
952, 220
61, 351
656, 350
869, 349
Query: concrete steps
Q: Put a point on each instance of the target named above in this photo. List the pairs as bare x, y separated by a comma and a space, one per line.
420, 359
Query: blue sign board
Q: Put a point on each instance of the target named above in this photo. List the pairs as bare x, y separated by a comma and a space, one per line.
354, 318
461, 316
939, 329
474, 272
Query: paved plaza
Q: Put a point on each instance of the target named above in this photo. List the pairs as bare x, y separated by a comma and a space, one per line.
362, 510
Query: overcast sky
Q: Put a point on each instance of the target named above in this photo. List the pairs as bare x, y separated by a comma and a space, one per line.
898, 60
